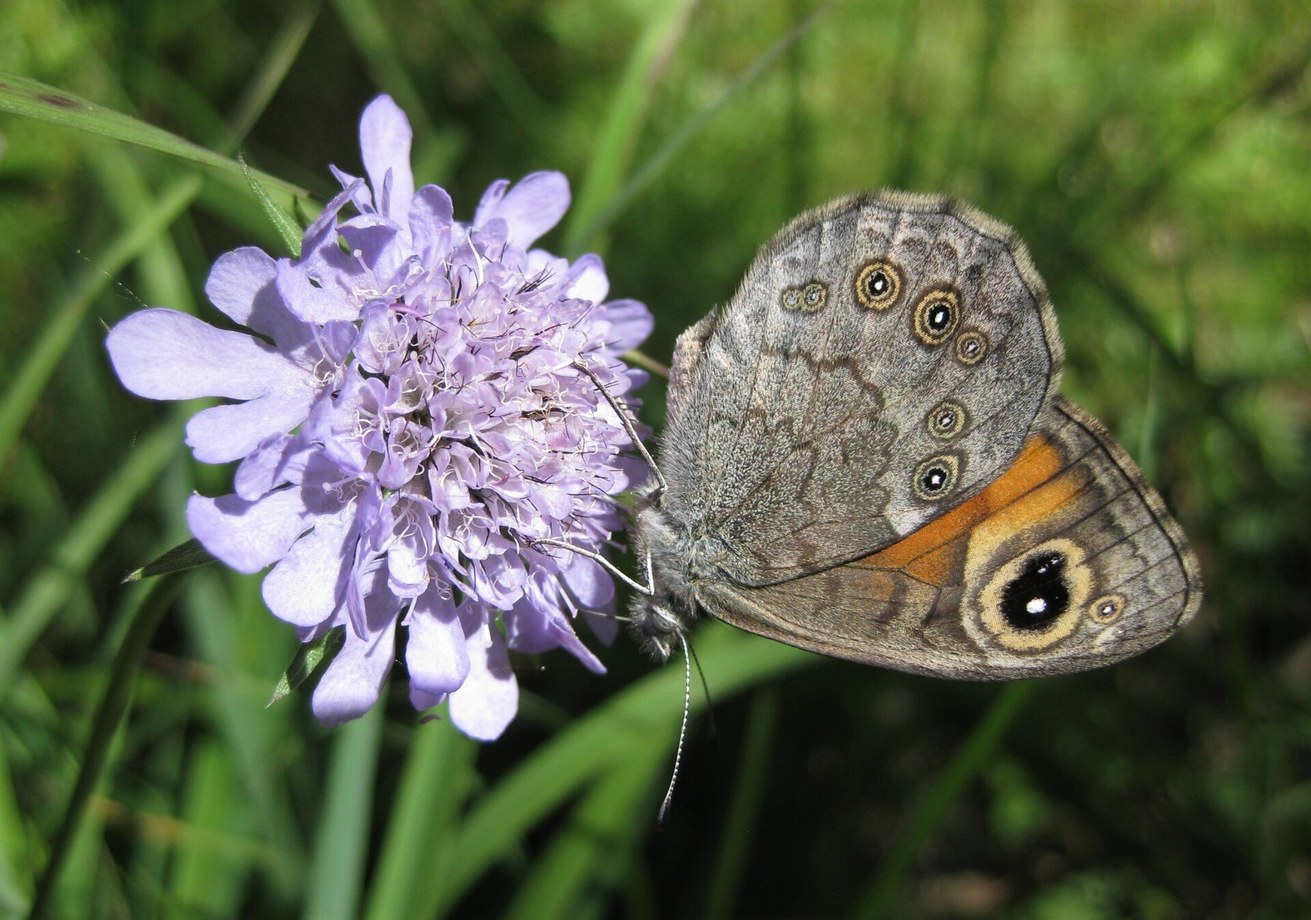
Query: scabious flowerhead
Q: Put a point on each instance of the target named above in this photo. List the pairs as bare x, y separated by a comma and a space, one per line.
410, 416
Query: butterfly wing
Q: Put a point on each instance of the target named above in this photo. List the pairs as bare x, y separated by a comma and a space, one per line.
1068, 561
882, 361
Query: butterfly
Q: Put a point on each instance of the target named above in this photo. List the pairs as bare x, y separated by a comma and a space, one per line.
866, 455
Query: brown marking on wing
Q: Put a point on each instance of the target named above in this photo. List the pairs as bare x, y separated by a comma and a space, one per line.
933, 553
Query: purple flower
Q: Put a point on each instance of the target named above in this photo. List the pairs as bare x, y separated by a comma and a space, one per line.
410, 416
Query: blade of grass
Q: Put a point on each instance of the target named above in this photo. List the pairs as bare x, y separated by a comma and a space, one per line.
32, 99
207, 872
66, 317
746, 793
612, 153
104, 726
503, 72
48, 590
438, 776
383, 60
732, 660
262, 743
879, 899
590, 853
15, 863
136, 236
337, 872
656, 164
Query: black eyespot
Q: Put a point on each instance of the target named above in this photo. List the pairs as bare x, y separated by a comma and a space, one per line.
936, 315
935, 478
877, 285
940, 316
971, 346
791, 299
1038, 595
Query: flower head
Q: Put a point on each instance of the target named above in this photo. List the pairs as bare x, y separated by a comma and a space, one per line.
410, 415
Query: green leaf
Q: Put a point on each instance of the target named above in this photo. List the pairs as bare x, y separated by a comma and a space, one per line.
34, 99
280, 217
184, 556
309, 658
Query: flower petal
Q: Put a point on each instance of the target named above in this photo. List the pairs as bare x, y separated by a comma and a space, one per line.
241, 284
531, 207
164, 354
247, 535
489, 696
587, 279
630, 323
435, 651
223, 433
385, 137
353, 681
430, 223
307, 586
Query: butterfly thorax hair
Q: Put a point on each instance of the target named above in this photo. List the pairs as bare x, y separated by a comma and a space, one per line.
667, 546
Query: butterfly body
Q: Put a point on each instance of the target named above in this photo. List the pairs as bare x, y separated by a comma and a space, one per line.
865, 455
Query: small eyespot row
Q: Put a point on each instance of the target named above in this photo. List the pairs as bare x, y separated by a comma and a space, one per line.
809, 298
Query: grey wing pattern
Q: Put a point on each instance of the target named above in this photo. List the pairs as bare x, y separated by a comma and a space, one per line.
950, 600
804, 416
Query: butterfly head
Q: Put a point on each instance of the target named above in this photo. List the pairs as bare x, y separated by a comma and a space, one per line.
661, 613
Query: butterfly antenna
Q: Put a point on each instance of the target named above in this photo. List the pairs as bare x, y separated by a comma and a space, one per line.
682, 729
647, 589
625, 419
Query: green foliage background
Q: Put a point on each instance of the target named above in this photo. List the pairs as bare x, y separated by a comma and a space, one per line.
1155, 156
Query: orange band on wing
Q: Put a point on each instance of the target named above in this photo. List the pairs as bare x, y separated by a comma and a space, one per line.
928, 553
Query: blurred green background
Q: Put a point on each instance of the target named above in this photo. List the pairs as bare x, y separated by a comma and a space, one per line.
1155, 156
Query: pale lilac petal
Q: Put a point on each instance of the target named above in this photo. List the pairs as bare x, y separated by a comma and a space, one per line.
239, 284
532, 206
421, 700
605, 628
385, 137
535, 629
164, 354
354, 679
630, 325
489, 696
435, 651
224, 433
430, 223
319, 287
278, 459
247, 535
587, 279
308, 585
591, 585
